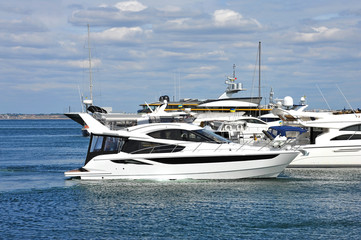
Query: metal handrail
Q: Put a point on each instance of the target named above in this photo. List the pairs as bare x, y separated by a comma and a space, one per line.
197, 147
244, 143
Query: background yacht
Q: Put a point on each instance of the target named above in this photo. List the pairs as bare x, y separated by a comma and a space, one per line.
330, 141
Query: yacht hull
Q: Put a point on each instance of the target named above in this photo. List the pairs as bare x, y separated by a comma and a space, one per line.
181, 166
328, 156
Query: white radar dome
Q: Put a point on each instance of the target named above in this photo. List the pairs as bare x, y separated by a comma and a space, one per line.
303, 100
288, 101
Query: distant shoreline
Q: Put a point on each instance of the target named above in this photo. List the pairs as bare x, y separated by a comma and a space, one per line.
54, 116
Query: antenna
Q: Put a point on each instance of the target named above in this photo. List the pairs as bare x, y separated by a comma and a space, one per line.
346, 99
259, 77
90, 68
81, 99
179, 88
175, 87
234, 71
323, 96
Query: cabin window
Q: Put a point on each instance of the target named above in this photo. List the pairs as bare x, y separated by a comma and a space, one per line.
97, 143
103, 145
356, 127
212, 136
112, 144
347, 137
139, 147
177, 134
184, 135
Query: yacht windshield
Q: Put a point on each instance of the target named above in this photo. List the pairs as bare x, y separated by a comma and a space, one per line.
102, 144
212, 136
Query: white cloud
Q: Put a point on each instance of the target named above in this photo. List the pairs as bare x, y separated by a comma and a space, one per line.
245, 44
253, 67
130, 6
203, 69
318, 34
26, 24
208, 55
230, 18
83, 64
68, 46
226, 17
178, 21
196, 76
38, 40
170, 9
121, 34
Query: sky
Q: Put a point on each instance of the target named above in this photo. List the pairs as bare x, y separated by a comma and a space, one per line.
144, 49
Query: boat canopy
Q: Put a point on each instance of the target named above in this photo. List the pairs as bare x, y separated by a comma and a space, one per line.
286, 131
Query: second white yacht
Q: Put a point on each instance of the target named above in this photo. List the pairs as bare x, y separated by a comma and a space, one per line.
330, 141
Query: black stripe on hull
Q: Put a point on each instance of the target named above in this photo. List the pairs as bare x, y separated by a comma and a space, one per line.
215, 159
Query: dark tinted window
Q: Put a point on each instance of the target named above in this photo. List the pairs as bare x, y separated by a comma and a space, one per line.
212, 137
356, 127
178, 134
138, 147
347, 137
103, 145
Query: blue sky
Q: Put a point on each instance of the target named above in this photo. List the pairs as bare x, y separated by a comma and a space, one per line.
184, 49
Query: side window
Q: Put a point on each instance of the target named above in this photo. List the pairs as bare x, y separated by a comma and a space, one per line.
103, 145
342, 137
139, 147
97, 143
356, 137
190, 136
112, 144
356, 127
171, 134
177, 134
347, 137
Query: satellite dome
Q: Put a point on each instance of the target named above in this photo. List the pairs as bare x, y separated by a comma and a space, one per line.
288, 101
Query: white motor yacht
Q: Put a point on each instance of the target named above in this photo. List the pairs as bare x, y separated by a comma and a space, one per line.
237, 129
174, 151
330, 141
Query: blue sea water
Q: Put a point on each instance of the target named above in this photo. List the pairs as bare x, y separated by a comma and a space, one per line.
38, 202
